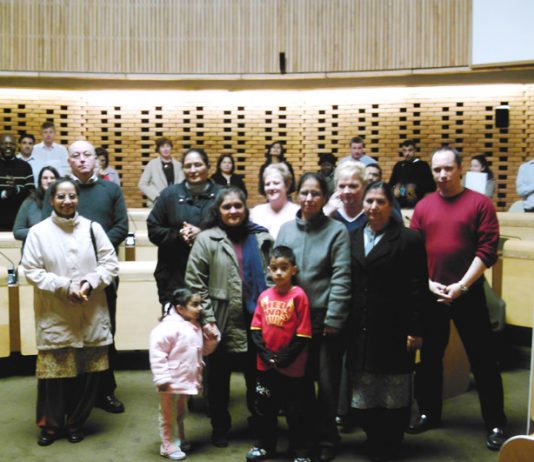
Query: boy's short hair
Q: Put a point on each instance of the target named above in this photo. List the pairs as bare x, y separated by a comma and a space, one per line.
282, 251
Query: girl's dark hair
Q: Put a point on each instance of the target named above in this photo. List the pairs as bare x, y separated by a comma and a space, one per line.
481, 159
282, 152
213, 217
317, 177
221, 158
38, 193
64, 179
200, 152
384, 187
178, 297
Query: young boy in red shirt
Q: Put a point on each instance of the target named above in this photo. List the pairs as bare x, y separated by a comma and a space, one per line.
281, 330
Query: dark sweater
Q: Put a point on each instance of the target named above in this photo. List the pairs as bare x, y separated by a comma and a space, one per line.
412, 174
16, 182
456, 230
101, 201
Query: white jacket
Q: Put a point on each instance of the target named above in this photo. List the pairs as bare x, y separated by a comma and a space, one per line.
153, 180
59, 252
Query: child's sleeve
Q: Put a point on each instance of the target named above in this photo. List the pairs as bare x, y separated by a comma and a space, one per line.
256, 331
302, 307
209, 344
158, 353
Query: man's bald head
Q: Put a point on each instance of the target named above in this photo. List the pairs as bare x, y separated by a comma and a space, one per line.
82, 160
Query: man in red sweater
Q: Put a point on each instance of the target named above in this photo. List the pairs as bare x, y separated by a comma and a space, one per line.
461, 233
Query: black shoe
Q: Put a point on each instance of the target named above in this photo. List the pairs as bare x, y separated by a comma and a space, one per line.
495, 439
46, 439
219, 440
327, 453
110, 404
75, 436
422, 424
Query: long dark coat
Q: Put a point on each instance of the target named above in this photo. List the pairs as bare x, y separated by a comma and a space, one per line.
389, 294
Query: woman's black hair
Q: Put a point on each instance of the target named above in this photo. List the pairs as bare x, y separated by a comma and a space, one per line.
384, 187
179, 297
323, 185
200, 152
63, 179
221, 158
282, 156
213, 217
38, 193
481, 159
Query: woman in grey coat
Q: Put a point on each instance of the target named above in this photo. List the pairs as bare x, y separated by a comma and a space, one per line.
322, 249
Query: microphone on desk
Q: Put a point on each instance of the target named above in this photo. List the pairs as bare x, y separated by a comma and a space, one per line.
130, 237
12, 273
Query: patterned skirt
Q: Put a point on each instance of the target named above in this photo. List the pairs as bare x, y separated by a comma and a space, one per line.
71, 362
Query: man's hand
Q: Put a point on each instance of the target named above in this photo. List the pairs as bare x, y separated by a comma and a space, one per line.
440, 291
414, 343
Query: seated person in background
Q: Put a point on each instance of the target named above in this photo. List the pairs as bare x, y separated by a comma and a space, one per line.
411, 179
525, 185
327, 164
225, 175
357, 152
373, 172
275, 154
26, 142
104, 170
479, 164
160, 172
49, 153
16, 182
31, 210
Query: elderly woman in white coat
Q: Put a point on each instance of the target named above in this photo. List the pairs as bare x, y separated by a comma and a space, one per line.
69, 260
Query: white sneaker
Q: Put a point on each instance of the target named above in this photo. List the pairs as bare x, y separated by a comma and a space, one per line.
176, 455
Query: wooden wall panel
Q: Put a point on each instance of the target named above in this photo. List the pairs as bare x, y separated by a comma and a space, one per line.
232, 36
309, 123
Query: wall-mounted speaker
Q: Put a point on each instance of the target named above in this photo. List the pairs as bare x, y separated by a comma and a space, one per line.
282, 58
502, 116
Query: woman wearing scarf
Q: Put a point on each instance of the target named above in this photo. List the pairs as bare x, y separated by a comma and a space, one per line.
227, 267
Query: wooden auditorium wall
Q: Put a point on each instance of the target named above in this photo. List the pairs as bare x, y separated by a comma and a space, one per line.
232, 36
308, 122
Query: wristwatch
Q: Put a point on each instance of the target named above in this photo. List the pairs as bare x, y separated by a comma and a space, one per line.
464, 289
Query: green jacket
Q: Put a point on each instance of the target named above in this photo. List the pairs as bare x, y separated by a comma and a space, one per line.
213, 272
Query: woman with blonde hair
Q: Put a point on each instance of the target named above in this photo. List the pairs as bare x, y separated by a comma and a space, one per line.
278, 209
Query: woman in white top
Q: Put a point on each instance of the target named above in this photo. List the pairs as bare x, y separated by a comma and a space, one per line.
70, 261
278, 209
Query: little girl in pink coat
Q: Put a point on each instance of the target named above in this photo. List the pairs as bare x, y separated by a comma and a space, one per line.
177, 346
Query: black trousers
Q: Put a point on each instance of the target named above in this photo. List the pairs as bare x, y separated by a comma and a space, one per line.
66, 402
220, 365
107, 383
325, 356
275, 391
470, 315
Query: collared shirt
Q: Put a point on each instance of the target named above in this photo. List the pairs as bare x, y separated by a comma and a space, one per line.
365, 160
525, 184
370, 239
55, 156
35, 164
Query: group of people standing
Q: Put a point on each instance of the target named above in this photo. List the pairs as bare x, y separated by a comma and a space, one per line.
350, 303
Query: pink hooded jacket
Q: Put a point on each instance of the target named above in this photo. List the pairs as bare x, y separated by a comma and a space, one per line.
176, 350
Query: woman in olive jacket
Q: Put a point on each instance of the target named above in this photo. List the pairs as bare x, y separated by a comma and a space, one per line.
227, 267
389, 293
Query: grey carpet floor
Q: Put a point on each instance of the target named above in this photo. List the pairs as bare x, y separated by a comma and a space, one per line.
133, 436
